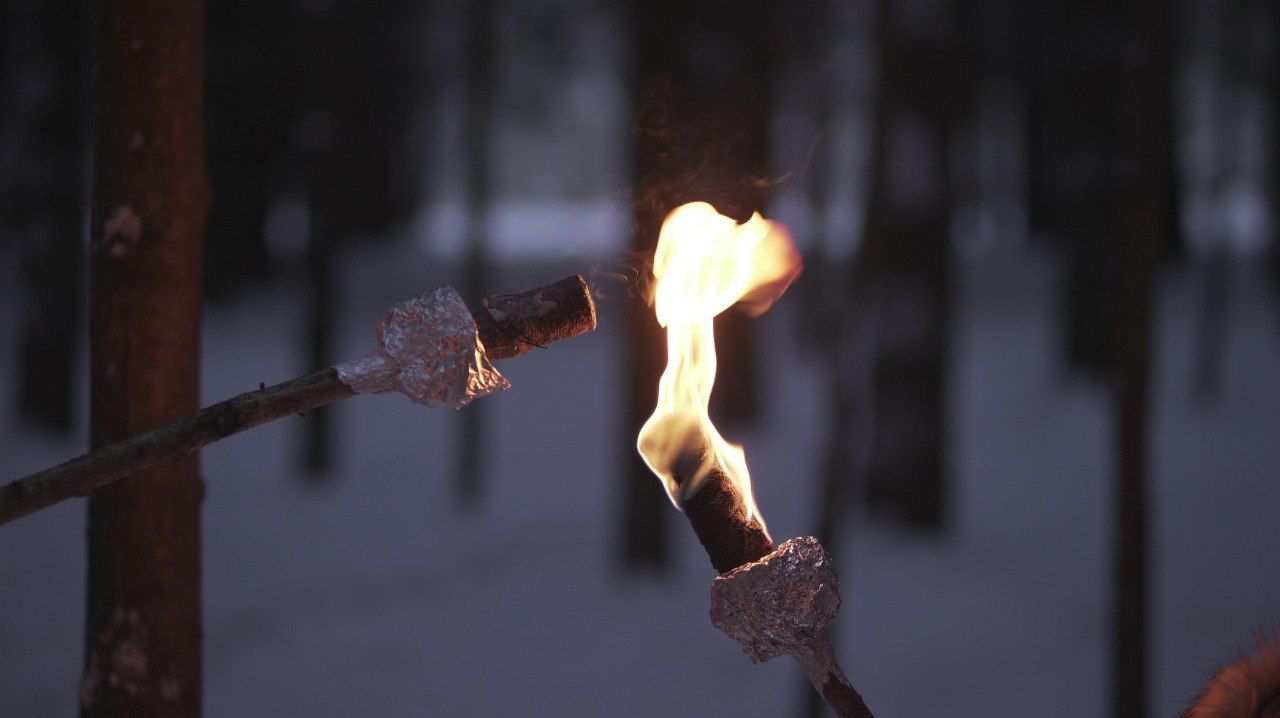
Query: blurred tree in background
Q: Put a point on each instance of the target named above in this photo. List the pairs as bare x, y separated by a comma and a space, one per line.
701, 79
47, 194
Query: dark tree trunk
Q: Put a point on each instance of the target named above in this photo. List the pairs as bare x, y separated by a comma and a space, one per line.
470, 466
317, 452
356, 70
334, 210
645, 507
1163, 116
1211, 323
822, 272
735, 403
52, 257
844, 472
905, 258
359, 66
1143, 216
251, 114
810, 69
150, 200
1082, 130
833, 323
1035, 95
702, 83
1272, 70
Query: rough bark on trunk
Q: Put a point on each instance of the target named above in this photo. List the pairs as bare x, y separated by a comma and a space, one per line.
150, 200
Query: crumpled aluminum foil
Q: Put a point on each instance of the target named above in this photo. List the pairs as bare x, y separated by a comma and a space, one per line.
429, 351
779, 605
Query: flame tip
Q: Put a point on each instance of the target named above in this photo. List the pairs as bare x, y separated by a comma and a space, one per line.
705, 263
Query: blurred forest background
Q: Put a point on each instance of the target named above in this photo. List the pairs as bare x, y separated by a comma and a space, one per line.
1027, 389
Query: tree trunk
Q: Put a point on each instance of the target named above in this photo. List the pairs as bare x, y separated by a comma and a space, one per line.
150, 200
1272, 71
702, 85
1143, 213
1035, 72
470, 466
252, 111
906, 258
822, 270
1083, 132
52, 258
317, 449
328, 144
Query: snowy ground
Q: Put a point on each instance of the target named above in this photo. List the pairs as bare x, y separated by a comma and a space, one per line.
372, 595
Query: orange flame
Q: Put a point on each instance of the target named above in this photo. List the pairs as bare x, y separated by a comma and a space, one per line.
704, 264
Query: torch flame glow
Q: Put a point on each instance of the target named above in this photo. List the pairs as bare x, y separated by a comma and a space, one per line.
704, 264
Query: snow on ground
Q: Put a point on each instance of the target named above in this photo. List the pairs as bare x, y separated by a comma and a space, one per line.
372, 595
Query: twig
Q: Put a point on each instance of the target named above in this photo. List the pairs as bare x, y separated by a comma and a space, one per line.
829, 680
732, 539
546, 314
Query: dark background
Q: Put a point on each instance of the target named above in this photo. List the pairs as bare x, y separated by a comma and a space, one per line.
981, 189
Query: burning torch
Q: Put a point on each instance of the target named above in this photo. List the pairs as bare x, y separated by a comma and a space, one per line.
772, 601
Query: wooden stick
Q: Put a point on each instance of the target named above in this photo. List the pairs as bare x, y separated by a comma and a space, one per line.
508, 326
718, 514
829, 680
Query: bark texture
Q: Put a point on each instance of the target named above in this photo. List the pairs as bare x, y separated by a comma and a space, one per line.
511, 325
150, 200
719, 518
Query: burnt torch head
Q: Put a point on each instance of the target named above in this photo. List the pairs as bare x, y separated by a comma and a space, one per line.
511, 324
717, 511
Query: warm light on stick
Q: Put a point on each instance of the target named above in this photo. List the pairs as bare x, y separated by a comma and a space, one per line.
771, 600
704, 264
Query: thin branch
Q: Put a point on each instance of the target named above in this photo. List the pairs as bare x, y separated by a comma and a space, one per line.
83, 474
557, 311
829, 680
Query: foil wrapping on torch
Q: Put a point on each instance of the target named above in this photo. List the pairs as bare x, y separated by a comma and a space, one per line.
438, 352
779, 605
773, 602
429, 349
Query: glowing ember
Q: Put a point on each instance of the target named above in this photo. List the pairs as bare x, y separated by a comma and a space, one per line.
704, 264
